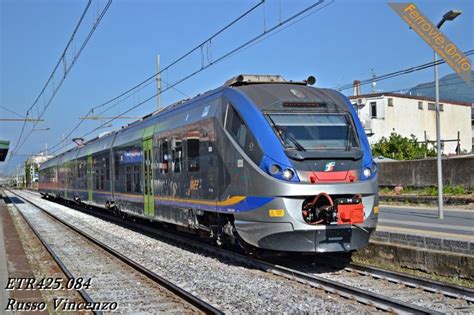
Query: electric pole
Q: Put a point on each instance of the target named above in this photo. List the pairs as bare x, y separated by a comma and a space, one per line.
158, 82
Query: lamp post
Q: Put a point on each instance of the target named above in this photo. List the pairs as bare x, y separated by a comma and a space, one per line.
448, 16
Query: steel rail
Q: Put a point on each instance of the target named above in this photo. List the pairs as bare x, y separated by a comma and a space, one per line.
449, 290
346, 291
178, 291
55, 257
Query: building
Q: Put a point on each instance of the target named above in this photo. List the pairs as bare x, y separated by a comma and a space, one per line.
384, 113
31, 167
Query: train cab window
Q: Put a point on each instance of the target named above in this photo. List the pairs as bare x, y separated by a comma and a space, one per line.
193, 154
164, 157
315, 131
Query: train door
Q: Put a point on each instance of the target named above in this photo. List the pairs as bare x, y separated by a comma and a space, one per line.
90, 181
148, 191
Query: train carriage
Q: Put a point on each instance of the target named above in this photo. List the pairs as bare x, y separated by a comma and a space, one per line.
269, 163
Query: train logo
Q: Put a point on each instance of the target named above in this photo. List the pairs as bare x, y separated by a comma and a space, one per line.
330, 166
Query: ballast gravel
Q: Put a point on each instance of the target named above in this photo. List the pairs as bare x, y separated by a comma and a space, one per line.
229, 287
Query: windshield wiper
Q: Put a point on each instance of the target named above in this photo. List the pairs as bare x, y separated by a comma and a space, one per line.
295, 142
349, 134
287, 136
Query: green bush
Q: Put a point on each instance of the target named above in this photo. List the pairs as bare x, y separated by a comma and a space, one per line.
402, 148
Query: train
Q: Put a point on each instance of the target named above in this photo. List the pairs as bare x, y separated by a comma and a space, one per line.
261, 161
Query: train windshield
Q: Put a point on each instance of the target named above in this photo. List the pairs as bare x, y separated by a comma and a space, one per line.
314, 131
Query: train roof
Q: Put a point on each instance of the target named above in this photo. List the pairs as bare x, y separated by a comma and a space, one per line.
293, 96
268, 92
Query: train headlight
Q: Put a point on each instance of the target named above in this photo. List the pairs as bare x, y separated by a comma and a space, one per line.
288, 174
274, 169
367, 172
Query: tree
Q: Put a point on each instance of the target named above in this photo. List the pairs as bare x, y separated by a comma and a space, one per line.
402, 148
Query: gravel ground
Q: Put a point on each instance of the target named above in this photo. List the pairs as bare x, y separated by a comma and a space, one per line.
112, 280
231, 288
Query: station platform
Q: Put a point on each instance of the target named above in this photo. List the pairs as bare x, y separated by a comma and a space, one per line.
13, 262
413, 237
420, 226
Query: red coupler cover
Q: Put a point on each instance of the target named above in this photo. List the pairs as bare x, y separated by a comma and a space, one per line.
350, 213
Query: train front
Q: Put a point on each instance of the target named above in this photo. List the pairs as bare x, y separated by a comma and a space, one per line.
317, 168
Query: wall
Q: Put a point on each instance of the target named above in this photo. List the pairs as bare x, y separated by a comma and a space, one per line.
422, 173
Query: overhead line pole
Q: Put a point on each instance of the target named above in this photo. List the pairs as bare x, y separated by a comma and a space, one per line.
158, 82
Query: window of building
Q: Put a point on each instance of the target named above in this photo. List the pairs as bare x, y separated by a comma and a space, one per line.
390, 101
420, 105
431, 106
373, 109
441, 107
193, 154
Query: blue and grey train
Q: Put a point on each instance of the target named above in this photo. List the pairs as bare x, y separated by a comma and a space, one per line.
264, 162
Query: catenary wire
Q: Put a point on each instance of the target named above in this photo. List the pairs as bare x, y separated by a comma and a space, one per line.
133, 90
226, 55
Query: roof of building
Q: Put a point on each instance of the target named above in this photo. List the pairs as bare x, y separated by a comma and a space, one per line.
421, 98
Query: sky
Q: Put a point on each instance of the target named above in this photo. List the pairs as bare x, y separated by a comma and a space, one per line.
339, 43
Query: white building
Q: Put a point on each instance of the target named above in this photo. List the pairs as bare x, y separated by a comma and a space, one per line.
384, 113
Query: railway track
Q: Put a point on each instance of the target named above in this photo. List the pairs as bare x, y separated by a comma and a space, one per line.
115, 278
431, 295
337, 282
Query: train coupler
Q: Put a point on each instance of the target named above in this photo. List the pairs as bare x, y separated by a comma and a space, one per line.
322, 209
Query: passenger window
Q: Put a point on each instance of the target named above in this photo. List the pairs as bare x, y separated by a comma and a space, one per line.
164, 157
128, 178
136, 179
107, 169
193, 154
116, 164
177, 153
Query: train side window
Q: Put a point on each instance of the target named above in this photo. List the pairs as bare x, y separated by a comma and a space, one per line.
107, 169
128, 178
244, 137
236, 126
136, 179
177, 154
193, 154
164, 157
116, 164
